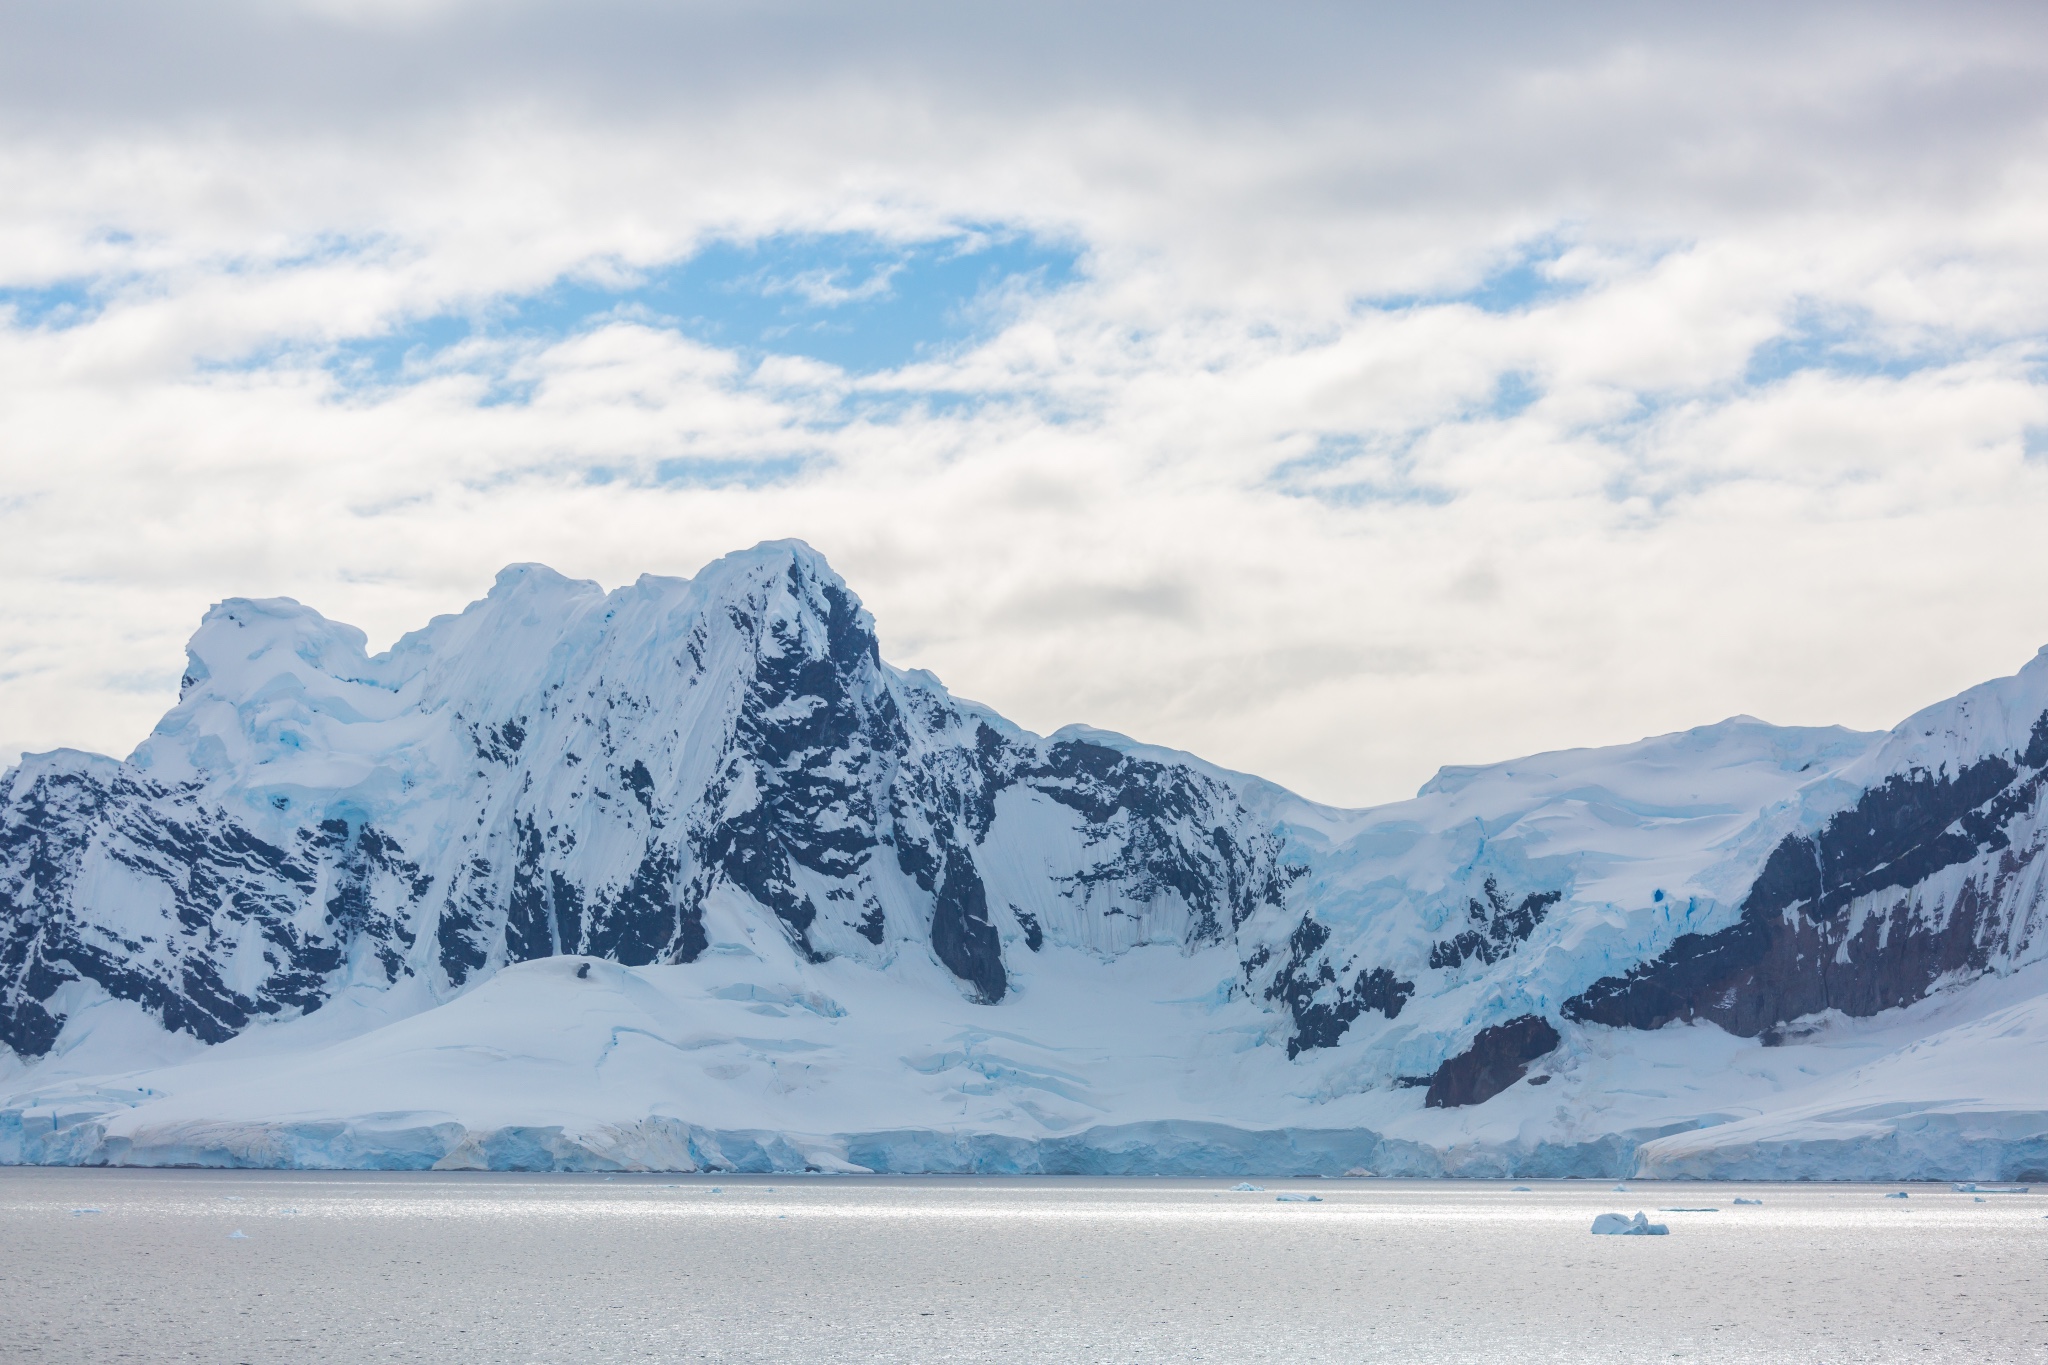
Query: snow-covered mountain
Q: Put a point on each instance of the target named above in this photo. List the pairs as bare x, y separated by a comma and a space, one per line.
684, 875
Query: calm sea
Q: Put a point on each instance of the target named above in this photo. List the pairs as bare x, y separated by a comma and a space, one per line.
544, 1268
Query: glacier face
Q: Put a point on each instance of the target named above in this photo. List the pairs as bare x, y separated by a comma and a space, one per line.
808, 904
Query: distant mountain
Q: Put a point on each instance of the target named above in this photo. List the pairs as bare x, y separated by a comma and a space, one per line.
685, 875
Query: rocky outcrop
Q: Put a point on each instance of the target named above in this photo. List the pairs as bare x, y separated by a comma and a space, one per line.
1321, 1005
1498, 1057
1929, 876
149, 894
1496, 927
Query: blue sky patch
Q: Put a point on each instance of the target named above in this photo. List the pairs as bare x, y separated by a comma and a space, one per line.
1323, 474
65, 304
852, 300
1528, 280
1513, 395
1840, 342
725, 472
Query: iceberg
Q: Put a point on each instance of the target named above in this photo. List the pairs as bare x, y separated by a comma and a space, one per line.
1297, 1199
1620, 1225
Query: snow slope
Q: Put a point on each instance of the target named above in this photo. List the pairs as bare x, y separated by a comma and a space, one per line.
685, 876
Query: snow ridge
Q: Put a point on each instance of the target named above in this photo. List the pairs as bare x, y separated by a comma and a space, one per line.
974, 947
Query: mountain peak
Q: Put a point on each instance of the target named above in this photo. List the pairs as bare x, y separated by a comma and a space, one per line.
535, 577
717, 786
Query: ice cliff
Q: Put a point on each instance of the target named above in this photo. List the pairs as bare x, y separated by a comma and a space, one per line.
685, 875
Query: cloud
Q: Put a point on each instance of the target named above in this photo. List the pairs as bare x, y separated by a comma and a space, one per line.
1334, 390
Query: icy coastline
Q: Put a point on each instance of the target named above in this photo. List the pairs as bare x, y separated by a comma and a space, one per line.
1170, 1148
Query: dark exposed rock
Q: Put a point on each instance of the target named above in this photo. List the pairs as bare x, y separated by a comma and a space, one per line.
1499, 1056
217, 892
1795, 951
811, 739
529, 919
1323, 1022
1034, 936
462, 935
1497, 927
359, 855
961, 933
497, 743
1147, 802
640, 924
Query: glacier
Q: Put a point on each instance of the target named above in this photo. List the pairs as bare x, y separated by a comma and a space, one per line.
684, 876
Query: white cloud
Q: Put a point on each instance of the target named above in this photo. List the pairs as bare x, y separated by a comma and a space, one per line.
1266, 483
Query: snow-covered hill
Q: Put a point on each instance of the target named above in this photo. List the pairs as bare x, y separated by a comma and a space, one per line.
686, 875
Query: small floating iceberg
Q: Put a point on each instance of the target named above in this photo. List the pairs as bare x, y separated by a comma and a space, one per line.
1741, 1200
1900, 1195
1621, 1189
1297, 1199
1245, 1187
238, 1236
80, 1213
1688, 1210
1621, 1225
1520, 1189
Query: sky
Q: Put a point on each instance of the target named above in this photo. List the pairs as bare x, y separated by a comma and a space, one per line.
1336, 391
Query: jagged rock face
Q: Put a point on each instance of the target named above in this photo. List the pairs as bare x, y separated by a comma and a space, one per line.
1496, 927
1321, 1004
158, 898
559, 770
1930, 875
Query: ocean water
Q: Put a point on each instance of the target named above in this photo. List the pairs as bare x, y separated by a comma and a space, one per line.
345, 1267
